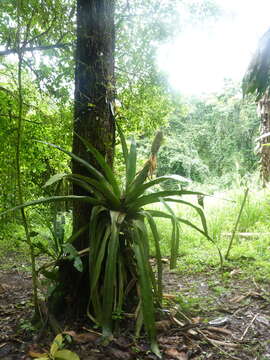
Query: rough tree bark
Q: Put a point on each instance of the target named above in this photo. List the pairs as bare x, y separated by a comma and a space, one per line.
93, 120
94, 84
264, 113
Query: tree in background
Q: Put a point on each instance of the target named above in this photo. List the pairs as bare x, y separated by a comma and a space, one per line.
264, 139
41, 33
256, 81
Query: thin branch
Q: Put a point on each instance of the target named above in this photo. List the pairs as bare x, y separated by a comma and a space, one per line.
45, 32
35, 48
16, 117
212, 342
215, 344
28, 28
39, 80
249, 325
18, 163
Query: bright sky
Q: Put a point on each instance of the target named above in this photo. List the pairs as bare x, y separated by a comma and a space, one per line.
199, 59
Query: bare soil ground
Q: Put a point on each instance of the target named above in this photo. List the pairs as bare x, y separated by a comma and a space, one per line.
208, 317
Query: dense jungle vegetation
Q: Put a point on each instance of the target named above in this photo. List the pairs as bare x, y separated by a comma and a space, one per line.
170, 186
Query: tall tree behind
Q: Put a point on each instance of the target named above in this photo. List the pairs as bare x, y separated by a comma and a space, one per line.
264, 151
93, 121
94, 91
257, 81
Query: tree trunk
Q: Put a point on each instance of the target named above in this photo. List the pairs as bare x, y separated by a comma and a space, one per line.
264, 113
94, 84
93, 120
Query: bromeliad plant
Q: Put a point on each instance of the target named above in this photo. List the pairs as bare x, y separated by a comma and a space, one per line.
118, 234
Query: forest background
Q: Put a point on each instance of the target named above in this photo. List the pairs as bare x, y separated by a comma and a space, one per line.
209, 140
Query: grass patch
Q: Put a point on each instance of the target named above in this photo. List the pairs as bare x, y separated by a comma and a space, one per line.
250, 252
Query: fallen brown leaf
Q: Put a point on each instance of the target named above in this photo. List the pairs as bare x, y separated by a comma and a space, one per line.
255, 294
83, 337
235, 272
219, 330
223, 343
196, 320
174, 353
237, 298
3, 288
119, 354
163, 325
178, 322
34, 354
169, 296
211, 335
192, 332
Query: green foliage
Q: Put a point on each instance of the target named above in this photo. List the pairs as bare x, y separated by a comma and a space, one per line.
250, 252
48, 75
211, 139
141, 26
118, 236
40, 118
181, 157
190, 305
57, 244
49, 26
117, 228
47, 83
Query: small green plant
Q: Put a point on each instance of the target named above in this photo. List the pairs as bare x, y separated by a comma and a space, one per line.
27, 325
219, 290
58, 245
189, 305
57, 351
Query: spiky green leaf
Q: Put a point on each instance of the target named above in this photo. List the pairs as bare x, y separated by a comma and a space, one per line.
96, 272
162, 214
93, 171
156, 238
87, 199
96, 234
131, 164
103, 164
141, 177
140, 189
123, 144
198, 209
55, 178
110, 276
145, 288
155, 197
